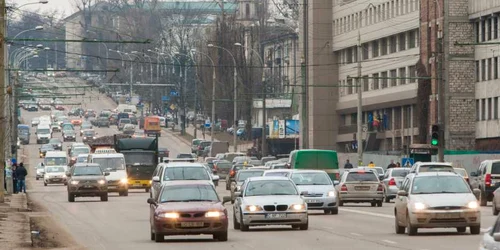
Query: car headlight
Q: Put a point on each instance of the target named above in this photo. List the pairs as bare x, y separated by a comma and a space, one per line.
213, 214
253, 208
124, 181
101, 182
331, 194
419, 206
169, 215
59, 145
298, 207
93, 137
473, 205
64, 176
74, 182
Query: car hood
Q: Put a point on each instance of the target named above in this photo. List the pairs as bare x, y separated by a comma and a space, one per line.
55, 174
315, 189
190, 206
444, 200
116, 175
40, 170
272, 199
87, 177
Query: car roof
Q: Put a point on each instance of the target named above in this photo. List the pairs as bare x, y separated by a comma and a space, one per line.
183, 164
309, 171
107, 155
434, 163
268, 178
251, 170
87, 165
282, 170
425, 174
187, 183
56, 153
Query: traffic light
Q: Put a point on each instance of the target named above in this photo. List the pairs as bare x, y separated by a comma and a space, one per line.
435, 135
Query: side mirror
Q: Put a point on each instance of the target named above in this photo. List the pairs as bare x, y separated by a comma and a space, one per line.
226, 199
335, 183
156, 179
473, 174
496, 237
477, 193
106, 173
151, 201
303, 193
402, 193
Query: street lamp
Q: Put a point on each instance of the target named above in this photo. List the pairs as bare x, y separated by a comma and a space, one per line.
235, 141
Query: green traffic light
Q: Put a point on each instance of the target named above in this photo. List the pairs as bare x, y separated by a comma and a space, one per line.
434, 142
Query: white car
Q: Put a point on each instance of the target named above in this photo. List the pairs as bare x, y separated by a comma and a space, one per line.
35, 122
163, 122
319, 191
269, 201
491, 239
40, 171
54, 175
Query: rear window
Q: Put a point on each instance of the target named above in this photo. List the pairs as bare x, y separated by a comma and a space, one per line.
361, 176
284, 174
400, 172
224, 165
435, 168
495, 168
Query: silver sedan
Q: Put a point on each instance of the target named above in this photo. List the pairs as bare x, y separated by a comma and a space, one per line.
269, 201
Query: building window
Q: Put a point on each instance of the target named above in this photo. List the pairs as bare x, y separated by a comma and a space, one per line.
355, 54
402, 41
488, 29
477, 32
483, 109
490, 69
495, 28
483, 30
393, 79
402, 75
384, 80
495, 68
354, 119
477, 71
477, 111
348, 55
393, 44
412, 39
413, 73
375, 48
495, 108
365, 49
483, 70
349, 86
490, 110
247, 10
366, 83
375, 81
383, 46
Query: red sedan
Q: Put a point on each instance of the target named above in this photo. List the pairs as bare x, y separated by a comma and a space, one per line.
187, 208
59, 107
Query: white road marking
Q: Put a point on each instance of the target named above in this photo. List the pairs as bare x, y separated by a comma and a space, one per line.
328, 228
356, 234
367, 213
389, 241
484, 230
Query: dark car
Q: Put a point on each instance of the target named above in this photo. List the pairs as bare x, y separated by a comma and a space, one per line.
187, 208
87, 180
202, 146
103, 122
232, 173
42, 151
90, 113
32, 108
222, 168
133, 119
56, 143
88, 135
69, 135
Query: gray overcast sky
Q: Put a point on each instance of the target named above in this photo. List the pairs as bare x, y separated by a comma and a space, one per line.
66, 6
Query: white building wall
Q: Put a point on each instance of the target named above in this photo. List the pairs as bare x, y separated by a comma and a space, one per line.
74, 31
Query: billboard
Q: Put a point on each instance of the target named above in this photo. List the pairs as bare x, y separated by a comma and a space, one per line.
284, 129
274, 131
292, 128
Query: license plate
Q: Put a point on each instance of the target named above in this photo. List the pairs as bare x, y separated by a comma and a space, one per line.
87, 186
137, 185
313, 201
192, 224
275, 216
56, 179
361, 188
447, 215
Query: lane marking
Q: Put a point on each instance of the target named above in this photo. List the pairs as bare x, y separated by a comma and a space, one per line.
367, 213
484, 230
328, 228
356, 234
389, 241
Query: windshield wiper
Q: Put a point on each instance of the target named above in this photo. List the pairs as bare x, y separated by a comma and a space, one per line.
281, 194
197, 200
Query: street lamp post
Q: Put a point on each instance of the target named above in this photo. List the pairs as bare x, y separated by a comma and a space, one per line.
235, 141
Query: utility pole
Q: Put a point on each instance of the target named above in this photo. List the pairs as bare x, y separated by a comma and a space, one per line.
3, 54
440, 83
305, 74
359, 136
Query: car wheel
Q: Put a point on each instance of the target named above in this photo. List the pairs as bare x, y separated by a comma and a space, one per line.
227, 186
71, 197
104, 197
483, 200
37, 177
147, 190
494, 208
327, 211
373, 204
335, 210
236, 225
45, 183
386, 199
475, 230
304, 226
461, 229
399, 229
220, 236
341, 203
379, 203
411, 229
216, 183
159, 237
243, 227
152, 234
125, 193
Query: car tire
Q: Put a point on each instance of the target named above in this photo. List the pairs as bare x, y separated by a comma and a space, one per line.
227, 187
153, 236
147, 190
159, 237
341, 203
243, 227
45, 183
125, 193
380, 203
373, 204
304, 226
220, 236
236, 225
483, 199
71, 197
386, 199
411, 230
475, 230
335, 210
65, 184
216, 183
461, 229
494, 208
327, 211
37, 177
104, 197
399, 229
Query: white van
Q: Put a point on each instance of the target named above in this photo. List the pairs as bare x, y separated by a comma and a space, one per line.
113, 163
43, 133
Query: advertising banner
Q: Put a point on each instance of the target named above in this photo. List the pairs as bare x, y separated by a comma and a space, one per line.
292, 128
281, 128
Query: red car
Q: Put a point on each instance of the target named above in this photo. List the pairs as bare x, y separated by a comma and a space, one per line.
187, 208
59, 107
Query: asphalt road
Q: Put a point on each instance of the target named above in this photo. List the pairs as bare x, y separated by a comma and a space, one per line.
123, 222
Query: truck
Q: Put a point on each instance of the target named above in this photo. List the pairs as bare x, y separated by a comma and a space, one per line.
141, 159
152, 126
218, 147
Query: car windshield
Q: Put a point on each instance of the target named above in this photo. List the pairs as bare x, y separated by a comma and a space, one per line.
439, 185
188, 193
69, 132
184, 156
400, 172
435, 168
224, 165
495, 168
55, 161
186, 173
255, 162
243, 175
43, 131
47, 147
361, 176
124, 121
87, 170
284, 174
132, 158
82, 150
55, 140
270, 187
86, 126
89, 133
138, 133
110, 164
279, 166
54, 169
311, 179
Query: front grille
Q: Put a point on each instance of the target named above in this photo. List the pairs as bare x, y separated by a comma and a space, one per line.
275, 221
447, 208
205, 225
113, 182
88, 182
313, 195
449, 220
269, 208
192, 215
316, 204
282, 207
185, 215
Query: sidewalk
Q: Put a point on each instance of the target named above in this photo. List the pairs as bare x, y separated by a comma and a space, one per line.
14, 223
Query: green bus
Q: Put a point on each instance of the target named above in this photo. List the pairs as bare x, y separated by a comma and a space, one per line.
316, 159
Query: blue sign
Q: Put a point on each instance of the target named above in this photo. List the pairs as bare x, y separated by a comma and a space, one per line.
207, 124
292, 127
406, 161
13, 161
165, 98
174, 93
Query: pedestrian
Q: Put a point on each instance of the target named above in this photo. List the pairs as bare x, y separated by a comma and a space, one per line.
391, 165
371, 165
347, 164
21, 173
14, 178
399, 164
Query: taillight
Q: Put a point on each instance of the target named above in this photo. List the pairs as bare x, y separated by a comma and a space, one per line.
380, 188
337, 176
343, 188
392, 182
487, 180
232, 173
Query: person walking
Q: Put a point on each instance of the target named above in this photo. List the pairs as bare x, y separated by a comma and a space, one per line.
14, 178
391, 165
21, 173
347, 164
